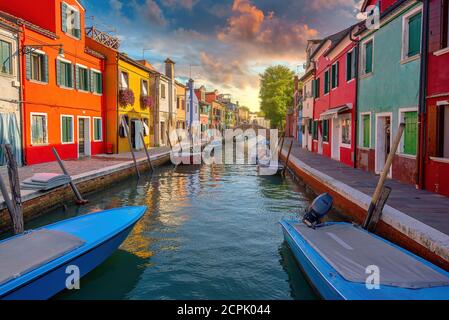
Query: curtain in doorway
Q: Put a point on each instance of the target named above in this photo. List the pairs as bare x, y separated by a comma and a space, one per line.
10, 134
138, 139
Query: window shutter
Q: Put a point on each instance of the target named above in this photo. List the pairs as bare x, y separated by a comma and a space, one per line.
337, 67
28, 65
89, 80
369, 57
72, 76
64, 16
100, 83
414, 35
77, 72
77, 25
349, 66
354, 62
58, 72
45, 68
92, 81
366, 131
410, 134
314, 88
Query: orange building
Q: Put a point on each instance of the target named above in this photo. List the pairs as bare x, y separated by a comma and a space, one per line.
61, 80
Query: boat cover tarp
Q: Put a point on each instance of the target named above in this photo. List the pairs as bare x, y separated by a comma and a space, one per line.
32, 250
350, 250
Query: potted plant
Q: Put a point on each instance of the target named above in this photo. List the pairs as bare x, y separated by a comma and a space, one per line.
126, 97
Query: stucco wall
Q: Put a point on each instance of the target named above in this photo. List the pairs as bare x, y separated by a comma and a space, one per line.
9, 84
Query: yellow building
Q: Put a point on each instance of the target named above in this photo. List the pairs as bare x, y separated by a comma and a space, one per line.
180, 105
134, 104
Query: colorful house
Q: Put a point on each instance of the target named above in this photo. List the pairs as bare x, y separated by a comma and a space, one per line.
218, 110
127, 96
193, 112
61, 79
389, 90
10, 115
436, 137
180, 105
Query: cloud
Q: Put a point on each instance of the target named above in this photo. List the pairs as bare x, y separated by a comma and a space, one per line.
186, 4
154, 13
264, 34
116, 5
331, 4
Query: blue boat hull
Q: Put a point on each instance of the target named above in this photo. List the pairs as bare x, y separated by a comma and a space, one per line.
330, 285
103, 232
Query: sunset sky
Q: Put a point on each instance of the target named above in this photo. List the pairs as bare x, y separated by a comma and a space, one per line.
227, 42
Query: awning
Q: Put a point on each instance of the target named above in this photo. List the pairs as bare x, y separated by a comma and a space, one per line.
334, 112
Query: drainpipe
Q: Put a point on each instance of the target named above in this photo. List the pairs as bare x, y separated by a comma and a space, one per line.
22, 71
421, 154
356, 122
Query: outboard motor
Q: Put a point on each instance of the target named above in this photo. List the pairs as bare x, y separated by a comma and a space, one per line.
318, 210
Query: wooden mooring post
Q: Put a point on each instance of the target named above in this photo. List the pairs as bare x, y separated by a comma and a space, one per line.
125, 127
146, 152
288, 158
79, 198
14, 205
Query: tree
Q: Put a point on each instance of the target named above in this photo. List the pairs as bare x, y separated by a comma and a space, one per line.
276, 93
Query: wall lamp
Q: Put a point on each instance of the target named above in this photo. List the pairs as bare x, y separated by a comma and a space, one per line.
33, 47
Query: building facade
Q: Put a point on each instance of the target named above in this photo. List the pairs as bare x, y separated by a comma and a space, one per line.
61, 81
180, 105
192, 110
389, 63
10, 115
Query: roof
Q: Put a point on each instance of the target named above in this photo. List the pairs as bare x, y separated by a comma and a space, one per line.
10, 19
94, 53
334, 39
125, 57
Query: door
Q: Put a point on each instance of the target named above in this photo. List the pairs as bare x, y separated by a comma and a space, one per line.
163, 133
83, 137
383, 142
133, 134
335, 143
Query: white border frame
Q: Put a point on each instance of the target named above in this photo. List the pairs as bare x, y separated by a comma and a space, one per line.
401, 112
80, 66
73, 128
93, 129
352, 51
81, 27
362, 129
351, 138
78, 136
405, 32
31, 128
377, 116
362, 57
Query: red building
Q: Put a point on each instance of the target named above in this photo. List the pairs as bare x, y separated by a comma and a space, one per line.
61, 80
334, 89
436, 142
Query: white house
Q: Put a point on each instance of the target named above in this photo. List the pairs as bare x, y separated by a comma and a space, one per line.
10, 132
192, 109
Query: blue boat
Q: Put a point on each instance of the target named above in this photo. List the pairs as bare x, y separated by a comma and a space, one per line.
37, 264
339, 259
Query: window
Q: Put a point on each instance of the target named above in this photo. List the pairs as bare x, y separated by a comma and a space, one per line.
412, 35
335, 72
326, 82
366, 130
346, 130
315, 130
65, 74
5, 57
82, 79
445, 25
124, 80
71, 21
350, 65
67, 129
325, 130
178, 103
144, 87
96, 82
316, 88
98, 130
37, 66
410, 132
442, 135
367, 57
39, 129
163, 93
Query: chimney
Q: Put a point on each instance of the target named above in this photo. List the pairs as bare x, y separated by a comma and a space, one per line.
170, 68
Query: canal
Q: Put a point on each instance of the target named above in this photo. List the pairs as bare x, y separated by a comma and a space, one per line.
210, 232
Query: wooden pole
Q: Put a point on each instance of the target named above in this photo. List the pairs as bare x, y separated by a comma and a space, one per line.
79, 197
383, 176
11, 209
288, 158
146, 152
282, 145
125, 127
14, 185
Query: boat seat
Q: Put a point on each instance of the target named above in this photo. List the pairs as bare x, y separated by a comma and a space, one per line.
30, 251
350, 251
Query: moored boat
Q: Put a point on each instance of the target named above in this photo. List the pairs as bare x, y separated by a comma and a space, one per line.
345, 262
36, 265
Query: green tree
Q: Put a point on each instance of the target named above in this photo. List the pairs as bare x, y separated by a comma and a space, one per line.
276, 93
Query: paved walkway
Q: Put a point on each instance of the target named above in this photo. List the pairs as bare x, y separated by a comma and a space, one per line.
429, 208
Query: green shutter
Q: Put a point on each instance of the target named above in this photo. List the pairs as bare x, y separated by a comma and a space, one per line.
45, 68
99, 83
326, 82
366, 131
369, 57
414, 35
64, 16
348, 66
410, 133
78, 76
77, 25
314, 88
318, 85
58, 72
28, 65
64, 130
92, 81
71, 75
337, 71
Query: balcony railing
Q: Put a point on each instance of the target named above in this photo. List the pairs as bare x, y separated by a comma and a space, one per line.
103, 38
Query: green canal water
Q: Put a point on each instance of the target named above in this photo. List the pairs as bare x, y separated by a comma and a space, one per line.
210, 232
